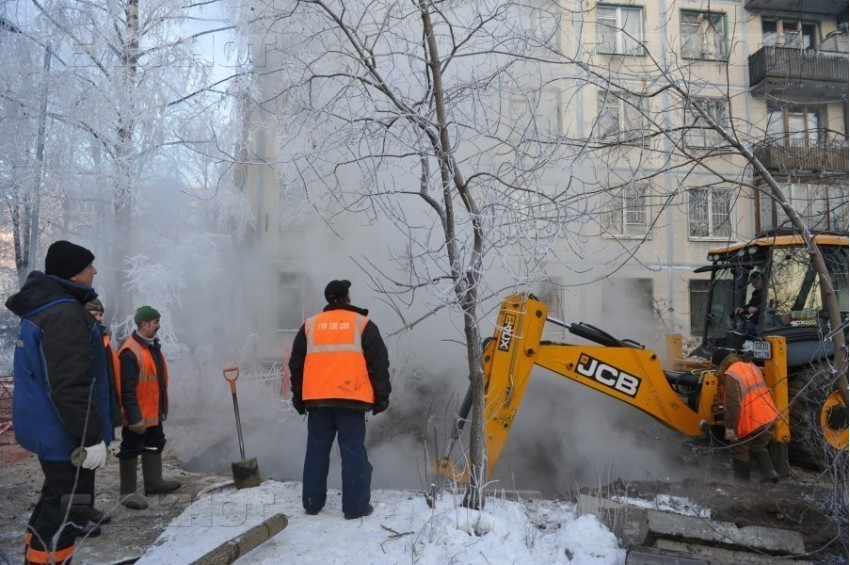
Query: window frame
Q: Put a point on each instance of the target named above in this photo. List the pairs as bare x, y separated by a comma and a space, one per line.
806, 136
695, 124
619, 31
620, 209
290, 309
799, 28
628, 108
698, 304
702, 35
712, 226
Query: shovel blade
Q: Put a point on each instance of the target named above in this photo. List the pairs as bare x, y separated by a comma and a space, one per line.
246, 473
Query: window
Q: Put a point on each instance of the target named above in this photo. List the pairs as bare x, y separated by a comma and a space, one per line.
823, 207
629, 213
699, 132
290, 302
698, 290
788, 33
703, 35
620, 118
619, 30
709, 212
634, 297
794, 126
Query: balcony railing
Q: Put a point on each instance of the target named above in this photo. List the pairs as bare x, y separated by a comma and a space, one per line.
795, 157
826, 7
803, 72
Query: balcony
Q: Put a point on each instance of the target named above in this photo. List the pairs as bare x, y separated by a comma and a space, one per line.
823, 7
795, 158
799, 74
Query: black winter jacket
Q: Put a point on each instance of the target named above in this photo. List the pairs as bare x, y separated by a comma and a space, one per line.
68, 354
377, 364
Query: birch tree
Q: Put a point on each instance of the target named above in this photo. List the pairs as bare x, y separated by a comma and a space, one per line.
135, 94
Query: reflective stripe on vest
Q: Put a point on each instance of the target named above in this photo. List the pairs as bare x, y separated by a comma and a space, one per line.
334, 366
757, 406
147, 389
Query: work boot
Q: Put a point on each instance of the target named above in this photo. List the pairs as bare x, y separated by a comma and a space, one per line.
90, 530
768, 473
355, 515
129, 497
741, 470
99, 516
152, 473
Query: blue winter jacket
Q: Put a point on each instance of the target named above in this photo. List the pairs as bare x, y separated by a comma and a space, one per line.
61, 399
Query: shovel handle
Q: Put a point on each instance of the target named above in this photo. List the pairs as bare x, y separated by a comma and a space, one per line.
230, 375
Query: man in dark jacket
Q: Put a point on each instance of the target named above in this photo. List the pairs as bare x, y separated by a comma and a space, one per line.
144, 402
61, 405
339, 370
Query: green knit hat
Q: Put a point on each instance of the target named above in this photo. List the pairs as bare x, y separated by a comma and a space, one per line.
146, 314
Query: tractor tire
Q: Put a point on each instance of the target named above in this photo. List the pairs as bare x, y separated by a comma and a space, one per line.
818, 418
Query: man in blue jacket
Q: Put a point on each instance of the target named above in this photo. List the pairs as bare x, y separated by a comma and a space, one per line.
61, 407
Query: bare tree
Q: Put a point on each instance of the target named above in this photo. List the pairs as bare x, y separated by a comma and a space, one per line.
429, 115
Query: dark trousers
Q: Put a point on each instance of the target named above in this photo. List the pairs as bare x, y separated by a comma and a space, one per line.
349, 426
750, 445
65, 493
133, 444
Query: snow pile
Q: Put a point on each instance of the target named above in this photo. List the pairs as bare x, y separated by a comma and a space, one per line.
403, 529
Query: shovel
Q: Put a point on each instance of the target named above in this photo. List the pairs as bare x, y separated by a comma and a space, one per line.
246, 474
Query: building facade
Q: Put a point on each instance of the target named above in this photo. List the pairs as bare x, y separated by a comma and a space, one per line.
646, 91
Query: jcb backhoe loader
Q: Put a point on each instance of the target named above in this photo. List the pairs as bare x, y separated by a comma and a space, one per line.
686, 396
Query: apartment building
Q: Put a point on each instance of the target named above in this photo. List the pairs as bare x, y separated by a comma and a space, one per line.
643, 83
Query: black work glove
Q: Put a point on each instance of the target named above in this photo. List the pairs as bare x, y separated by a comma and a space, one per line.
299, 406
379, 406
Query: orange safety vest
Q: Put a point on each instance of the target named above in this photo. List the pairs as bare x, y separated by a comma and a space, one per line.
147, 389
757, 406
335, 366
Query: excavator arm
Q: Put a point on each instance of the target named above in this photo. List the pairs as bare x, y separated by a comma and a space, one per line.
688, 402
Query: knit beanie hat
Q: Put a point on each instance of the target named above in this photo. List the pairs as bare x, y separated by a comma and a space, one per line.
95, 305
336, 291
146, 314
65, 259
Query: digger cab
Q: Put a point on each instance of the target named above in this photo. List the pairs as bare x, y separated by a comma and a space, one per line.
774, 274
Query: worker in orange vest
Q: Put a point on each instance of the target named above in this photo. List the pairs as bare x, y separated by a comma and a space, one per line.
340, 370
144, 401
750, 414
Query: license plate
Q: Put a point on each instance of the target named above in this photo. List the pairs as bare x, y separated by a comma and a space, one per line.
761, 350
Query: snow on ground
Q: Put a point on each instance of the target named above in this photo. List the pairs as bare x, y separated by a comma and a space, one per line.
403, 529
668, 503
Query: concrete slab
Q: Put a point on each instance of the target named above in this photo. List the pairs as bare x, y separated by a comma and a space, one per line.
723, 556
655, 556
769, 540
627, 522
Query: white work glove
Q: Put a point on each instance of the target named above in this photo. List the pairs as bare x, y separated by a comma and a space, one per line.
95, 456
730, 435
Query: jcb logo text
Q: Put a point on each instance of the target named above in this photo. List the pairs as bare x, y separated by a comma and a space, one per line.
507, 332
607, 375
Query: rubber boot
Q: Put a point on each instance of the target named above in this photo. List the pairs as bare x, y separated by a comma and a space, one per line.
741, 470
152, 472
129, 497
768, 473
